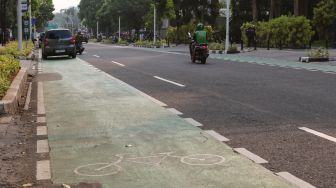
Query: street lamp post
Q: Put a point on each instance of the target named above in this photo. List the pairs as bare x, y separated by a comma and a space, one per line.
154, 23
30, 21
227, 25
19, 23
119, 30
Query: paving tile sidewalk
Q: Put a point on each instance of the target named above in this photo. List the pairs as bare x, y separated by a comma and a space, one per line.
104, 131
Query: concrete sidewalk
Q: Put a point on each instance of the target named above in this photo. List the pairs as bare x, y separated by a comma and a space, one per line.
102, 130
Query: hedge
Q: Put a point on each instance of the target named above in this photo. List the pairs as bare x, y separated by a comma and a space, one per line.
180, 35
10, 64
285, 31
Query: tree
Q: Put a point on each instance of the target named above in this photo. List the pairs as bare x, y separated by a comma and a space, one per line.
325, 20
254, 10
43, 12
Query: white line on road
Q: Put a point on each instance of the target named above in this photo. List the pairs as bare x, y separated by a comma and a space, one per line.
26, 106
296, 181
250, 155
41, 120
97, 56
40, 99
193, 122
217, 136
122, 65
43, 170
174, 111
41, 130
322, 135
169, 81
42, 146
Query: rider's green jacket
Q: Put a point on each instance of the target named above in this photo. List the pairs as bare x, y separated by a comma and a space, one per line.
201, 37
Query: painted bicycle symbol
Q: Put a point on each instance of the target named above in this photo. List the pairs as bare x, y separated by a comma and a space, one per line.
112, 168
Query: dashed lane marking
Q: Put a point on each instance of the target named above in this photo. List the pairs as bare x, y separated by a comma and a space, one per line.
122, 65
217, 136
169, 81
41, 120
193, 122
42, 146
97, 56
41, 130
296, 181
255, 158
43, 170
174, 111
322, 135
40, 99
26, 106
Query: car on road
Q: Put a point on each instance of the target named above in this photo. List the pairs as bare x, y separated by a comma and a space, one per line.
58, 42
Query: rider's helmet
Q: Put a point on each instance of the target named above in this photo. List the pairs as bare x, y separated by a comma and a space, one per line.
200, 27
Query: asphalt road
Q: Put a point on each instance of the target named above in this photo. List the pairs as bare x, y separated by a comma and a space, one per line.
257, 107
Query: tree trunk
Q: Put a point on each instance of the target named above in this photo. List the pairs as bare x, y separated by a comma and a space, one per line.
271, 14
254, 10
296, 7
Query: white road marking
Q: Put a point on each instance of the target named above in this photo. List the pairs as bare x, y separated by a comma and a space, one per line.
122, 65
43, 170
41, 120
296, 181
26, 106
42, 146
141, 93
169, 81
193, 122
217, 136
41, 130
174, 111
322, 135
40, 99
250, 155
97, 56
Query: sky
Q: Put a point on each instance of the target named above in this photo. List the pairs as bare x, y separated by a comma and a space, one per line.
63, 4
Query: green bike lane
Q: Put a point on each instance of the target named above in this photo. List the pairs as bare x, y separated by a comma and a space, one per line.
101, 130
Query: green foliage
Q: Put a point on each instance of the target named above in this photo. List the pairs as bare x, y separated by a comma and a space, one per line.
325, 19
172, 34
12, 49
216, 46
233, 49
182, 33
319, 53
9, 67
210, 33
150, 44
122, 42
43, 11
284, 31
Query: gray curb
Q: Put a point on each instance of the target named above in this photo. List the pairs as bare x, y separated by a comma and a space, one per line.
10, 102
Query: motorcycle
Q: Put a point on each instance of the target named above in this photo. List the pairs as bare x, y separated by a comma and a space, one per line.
198, 52
79, 48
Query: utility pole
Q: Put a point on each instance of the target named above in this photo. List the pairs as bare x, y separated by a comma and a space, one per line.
19, 23
227, 25
97, 29
30, 21
119, 30
154, 23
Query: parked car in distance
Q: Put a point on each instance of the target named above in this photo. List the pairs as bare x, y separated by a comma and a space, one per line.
58, 42
41, 37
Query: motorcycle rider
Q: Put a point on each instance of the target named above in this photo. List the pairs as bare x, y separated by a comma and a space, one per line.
199, 37
79, 42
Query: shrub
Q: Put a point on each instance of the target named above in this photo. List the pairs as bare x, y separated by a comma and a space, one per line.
12, 48
284, 31
172, 34
122, 42
9, 67
319, 53
233, 48
216, 46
